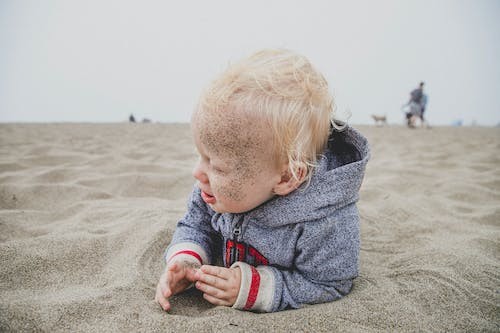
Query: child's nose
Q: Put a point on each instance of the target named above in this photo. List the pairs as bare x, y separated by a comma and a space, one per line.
199, 174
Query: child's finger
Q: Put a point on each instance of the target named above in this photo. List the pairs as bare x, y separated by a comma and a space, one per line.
164, 303
172, 273
211, 290
212, 280
191, 274
217, 271
216, 301
163, 285
165, 290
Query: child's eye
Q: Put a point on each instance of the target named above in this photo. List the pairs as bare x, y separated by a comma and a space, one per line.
217, 169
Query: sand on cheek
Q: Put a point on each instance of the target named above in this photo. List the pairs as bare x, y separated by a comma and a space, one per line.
235, 184
231, 192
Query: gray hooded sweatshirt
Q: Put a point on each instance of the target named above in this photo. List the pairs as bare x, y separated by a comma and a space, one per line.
297, 249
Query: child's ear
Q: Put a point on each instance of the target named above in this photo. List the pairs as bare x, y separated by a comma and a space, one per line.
288, 182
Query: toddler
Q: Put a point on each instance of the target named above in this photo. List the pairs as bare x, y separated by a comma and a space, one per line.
272, 222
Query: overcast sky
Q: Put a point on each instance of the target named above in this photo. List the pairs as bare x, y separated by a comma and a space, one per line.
99, 61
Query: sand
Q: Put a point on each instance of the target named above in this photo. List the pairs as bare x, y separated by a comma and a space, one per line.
87, 210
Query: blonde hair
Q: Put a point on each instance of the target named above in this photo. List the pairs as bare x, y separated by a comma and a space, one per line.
290, 94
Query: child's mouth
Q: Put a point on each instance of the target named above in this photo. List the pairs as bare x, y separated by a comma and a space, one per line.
209, 199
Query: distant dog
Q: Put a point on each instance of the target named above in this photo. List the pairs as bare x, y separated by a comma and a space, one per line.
379, 120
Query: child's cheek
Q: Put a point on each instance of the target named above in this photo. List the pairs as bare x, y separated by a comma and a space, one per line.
230, 188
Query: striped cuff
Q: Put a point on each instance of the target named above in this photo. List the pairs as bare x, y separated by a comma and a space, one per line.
256, 288
187, 252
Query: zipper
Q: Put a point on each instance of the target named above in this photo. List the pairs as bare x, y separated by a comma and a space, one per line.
237, 229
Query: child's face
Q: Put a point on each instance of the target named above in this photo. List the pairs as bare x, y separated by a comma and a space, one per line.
237, 170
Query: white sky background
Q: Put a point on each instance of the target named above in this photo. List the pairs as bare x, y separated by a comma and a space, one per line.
99, 61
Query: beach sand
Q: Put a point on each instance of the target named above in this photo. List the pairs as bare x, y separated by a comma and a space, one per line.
88, 209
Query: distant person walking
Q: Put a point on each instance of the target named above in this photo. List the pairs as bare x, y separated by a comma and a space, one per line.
417, 93
131, 118
416, 106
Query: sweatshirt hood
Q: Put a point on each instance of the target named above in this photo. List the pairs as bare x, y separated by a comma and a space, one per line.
335, 183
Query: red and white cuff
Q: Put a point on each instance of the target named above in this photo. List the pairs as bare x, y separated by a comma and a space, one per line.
256, 288
187, 252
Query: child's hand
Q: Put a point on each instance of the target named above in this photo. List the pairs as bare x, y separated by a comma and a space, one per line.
176, 277
220, 286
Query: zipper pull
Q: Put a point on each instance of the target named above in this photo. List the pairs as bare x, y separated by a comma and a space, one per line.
237, 228
237, 231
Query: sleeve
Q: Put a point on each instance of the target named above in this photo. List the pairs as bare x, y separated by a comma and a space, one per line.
325, 265
194, 239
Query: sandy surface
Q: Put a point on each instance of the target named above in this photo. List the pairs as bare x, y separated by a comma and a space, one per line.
87, 210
